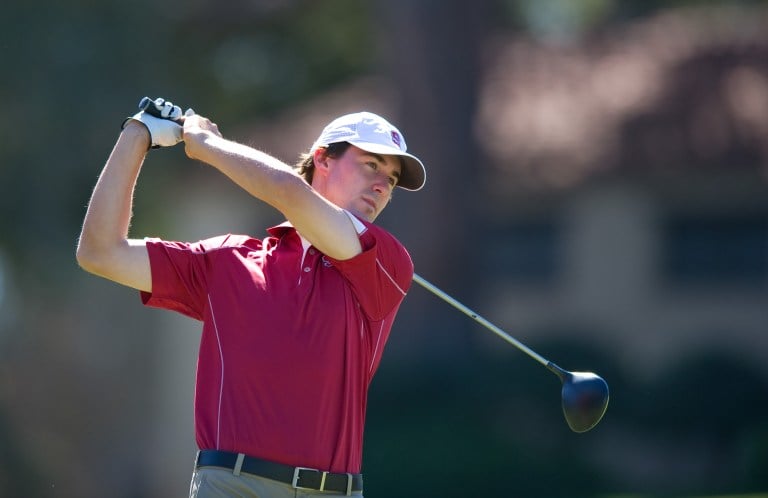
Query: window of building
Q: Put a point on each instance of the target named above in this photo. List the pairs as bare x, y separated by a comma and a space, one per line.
525, 252
730, 249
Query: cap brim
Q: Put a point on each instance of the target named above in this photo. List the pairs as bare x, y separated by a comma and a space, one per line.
412, 177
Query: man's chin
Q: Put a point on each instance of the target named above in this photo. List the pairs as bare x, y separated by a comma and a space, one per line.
369, 214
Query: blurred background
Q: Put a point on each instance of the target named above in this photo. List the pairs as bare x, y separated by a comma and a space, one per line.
597, 186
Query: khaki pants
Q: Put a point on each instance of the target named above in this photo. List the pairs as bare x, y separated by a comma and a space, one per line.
212, 482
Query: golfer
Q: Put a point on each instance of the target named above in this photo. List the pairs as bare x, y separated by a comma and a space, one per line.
293, 324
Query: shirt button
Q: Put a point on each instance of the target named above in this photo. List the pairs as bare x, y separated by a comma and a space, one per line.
311, 251
306, 269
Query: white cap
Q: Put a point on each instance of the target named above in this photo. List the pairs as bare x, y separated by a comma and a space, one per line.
372, 133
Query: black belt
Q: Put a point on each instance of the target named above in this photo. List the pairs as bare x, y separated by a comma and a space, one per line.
297, 477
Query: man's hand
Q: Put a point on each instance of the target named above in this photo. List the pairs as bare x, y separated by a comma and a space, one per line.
197, 129
162, 119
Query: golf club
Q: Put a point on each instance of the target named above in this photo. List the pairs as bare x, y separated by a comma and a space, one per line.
585, 394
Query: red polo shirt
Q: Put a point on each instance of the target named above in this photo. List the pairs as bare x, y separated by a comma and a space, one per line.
291, 339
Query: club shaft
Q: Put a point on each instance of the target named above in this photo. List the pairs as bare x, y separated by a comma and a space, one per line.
482, 321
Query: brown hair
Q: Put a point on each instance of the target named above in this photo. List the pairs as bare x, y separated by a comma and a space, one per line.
306, 164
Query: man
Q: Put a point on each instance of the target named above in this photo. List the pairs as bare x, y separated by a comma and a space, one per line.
293, 325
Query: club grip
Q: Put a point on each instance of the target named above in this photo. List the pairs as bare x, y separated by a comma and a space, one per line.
147, 105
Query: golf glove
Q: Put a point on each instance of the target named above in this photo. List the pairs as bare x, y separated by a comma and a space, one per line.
162, 119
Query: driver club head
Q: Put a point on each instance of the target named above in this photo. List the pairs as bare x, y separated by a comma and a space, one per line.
585, 399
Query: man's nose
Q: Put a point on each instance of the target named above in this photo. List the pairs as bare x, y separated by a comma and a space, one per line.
381, 184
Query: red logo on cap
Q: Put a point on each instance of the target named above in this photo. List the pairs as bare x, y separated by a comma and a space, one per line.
396, 138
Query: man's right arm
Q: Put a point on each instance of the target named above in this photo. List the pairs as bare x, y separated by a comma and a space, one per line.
104, 247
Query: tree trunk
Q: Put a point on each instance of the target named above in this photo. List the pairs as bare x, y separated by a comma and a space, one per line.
431, 53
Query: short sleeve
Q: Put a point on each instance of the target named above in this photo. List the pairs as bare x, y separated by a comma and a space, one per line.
179, 275
381, 275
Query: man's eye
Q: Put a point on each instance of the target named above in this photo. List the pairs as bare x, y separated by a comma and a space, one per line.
373, 165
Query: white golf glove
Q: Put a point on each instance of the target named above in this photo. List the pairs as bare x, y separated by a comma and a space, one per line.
162, 119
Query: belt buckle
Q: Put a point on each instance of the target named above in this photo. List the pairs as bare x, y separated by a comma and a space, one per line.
297, 476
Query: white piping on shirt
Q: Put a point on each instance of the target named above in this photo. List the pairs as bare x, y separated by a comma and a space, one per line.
221, 385
390, 277
376, 349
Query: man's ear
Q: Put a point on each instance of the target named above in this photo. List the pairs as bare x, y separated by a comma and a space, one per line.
320, 159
